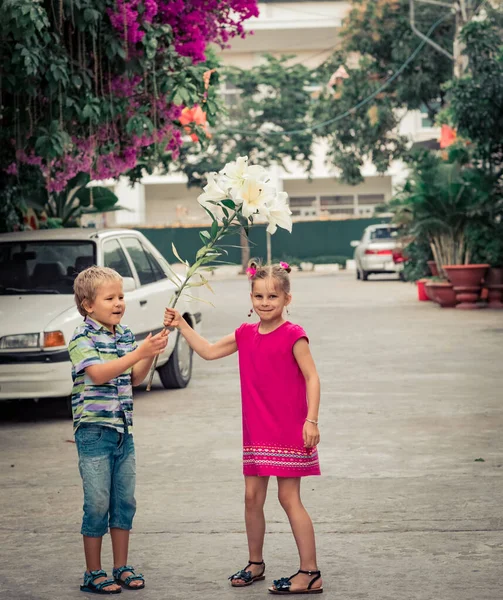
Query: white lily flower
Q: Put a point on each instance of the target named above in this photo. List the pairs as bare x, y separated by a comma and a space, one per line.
254, 195
279, 214
235, 174
213, 191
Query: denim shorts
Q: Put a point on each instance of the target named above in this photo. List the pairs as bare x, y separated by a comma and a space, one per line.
108, 469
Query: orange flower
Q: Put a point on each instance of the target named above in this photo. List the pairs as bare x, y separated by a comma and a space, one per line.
197, 116
447, 136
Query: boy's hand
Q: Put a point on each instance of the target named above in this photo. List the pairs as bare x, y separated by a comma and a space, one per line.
311, 435
172, 318
153, 344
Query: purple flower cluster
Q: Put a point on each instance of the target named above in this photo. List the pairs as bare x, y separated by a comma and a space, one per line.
195, 23
83, 155
110, 151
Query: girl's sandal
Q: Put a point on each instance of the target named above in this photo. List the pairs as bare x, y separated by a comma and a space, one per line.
247, 576
98, 588
282, 586
126, 583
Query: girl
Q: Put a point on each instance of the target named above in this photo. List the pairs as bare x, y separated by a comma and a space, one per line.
280, 391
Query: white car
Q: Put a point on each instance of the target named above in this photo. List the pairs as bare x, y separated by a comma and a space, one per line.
378, 252
38, 314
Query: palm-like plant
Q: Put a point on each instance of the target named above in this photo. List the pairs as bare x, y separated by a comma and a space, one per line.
441, 200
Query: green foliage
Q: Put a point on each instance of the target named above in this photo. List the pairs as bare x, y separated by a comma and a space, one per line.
271, 97
476, 100
442, 201
75, 96
380, 29
487, 243
380, 33
418, 253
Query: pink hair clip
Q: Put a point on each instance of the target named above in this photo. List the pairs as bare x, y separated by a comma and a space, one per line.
251, 271
284, 265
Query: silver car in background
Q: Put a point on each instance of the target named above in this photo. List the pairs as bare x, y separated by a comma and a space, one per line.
378, 252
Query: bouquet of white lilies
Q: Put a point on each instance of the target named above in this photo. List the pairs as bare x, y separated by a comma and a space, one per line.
232, 198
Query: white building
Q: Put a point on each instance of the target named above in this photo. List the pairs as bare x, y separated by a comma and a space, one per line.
310, 31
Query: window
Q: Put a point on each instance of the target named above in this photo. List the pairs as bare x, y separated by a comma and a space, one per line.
43, 267
231, 95
340, 211
383, 233
115, 258
426, 122
370, 198
146, 265
326, 201
302, 201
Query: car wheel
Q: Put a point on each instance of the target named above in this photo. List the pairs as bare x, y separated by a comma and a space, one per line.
358, 276
401, 276
176, 373
365, 275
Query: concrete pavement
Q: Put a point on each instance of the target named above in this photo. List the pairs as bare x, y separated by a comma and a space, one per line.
410, 399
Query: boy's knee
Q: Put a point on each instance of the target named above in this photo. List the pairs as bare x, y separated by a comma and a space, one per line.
97, 507
95, 521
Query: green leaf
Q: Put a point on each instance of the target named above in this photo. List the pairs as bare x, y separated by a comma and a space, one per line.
213, 218
229, 203
214, 230
103, 198
205, 238
198, 299
77, 81
175, 252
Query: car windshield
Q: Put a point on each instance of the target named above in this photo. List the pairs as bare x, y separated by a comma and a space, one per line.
43, 267
383, 233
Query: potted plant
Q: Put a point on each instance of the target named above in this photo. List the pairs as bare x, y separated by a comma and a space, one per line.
487, 242
442, 198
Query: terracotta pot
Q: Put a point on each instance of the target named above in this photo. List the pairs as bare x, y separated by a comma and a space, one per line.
427, 290
433, 268
442, 293
467, 283
494, 285
421, 292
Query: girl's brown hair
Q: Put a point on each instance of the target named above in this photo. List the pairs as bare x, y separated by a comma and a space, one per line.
279, 273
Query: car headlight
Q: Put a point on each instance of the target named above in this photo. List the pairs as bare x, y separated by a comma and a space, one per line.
17, 342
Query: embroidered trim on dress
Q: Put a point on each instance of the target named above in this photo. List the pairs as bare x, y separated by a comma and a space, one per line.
296, 458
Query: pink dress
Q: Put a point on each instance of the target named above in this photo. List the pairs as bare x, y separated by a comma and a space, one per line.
273, 392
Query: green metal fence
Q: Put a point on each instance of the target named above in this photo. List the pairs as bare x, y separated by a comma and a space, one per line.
309, 239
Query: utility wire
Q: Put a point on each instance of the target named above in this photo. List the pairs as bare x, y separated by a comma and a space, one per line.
354, 108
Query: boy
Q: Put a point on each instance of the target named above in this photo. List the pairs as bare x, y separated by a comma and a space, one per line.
107, 362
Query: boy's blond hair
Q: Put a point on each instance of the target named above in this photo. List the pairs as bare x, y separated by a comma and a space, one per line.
88, 281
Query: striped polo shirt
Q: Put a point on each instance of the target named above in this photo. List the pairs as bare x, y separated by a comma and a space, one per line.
109, 404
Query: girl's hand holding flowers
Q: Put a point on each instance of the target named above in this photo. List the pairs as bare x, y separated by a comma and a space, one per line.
172, 318
311, 435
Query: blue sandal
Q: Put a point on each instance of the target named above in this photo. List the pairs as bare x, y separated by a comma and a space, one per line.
98, 588
126, 583
282, 586
247, 576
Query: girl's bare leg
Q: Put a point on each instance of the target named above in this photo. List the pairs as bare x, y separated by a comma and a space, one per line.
302, 528
255, 495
